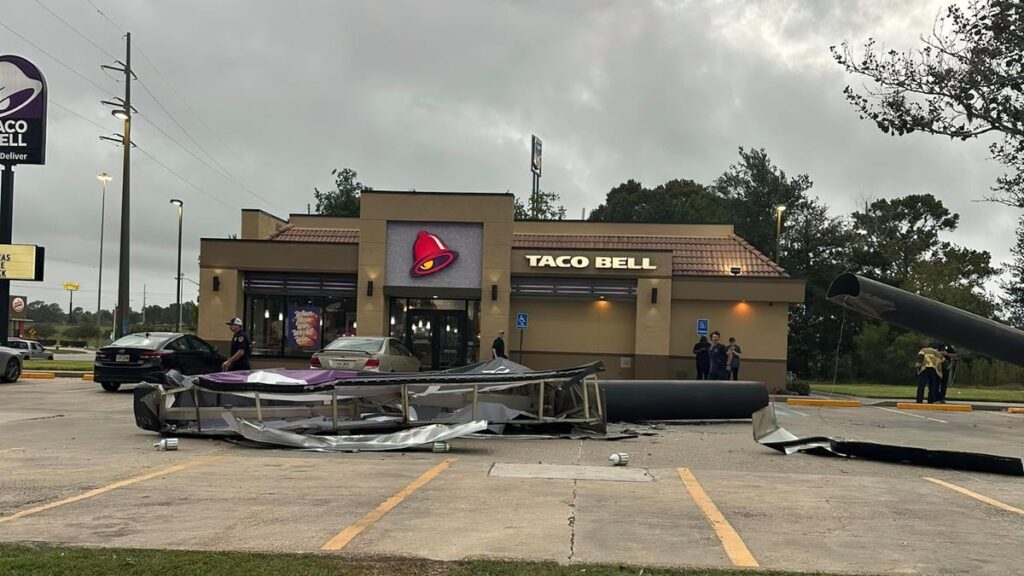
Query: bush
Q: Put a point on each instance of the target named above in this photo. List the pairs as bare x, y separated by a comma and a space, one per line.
796, 386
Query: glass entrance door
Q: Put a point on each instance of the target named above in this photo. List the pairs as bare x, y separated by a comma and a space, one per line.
437, 337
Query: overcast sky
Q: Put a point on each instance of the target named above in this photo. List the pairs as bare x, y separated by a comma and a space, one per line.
444, 95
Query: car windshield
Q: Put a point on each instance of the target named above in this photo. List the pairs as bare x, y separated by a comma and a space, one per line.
148, 341
368, 345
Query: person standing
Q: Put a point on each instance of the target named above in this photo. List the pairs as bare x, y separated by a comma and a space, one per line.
719, 358
241, 347
702, 350
928, 372
735, 353
948, 358
498, 347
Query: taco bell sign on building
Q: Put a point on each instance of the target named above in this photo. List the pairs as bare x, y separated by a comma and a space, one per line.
22, 112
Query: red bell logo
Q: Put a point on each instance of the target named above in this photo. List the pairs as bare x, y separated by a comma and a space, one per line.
430, 254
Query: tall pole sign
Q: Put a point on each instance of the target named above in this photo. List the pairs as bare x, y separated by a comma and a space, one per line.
22, 141
536, 156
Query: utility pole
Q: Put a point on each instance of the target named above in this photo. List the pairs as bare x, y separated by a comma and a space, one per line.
123, 110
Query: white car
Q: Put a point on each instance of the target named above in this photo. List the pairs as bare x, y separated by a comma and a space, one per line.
371, 353
30, 349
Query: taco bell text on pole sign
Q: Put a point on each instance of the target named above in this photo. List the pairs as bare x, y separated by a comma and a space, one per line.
22, 112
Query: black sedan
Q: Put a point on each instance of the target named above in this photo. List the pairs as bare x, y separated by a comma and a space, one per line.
146, 357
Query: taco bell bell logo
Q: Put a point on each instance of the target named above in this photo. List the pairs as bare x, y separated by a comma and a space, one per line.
430, 254
22, 112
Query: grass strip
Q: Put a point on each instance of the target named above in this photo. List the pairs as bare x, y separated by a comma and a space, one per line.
59, 365
909, 392
39, 560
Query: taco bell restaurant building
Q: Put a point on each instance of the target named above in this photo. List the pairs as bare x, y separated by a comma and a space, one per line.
444, 272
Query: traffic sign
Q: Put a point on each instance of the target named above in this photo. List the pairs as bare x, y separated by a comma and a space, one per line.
521, 320
702, 327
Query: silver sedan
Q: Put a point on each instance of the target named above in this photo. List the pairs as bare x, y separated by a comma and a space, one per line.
371, 353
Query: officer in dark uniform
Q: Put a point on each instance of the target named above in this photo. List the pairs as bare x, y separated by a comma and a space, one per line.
241, 347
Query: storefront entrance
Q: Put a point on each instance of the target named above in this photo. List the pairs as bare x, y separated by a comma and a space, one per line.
441, 333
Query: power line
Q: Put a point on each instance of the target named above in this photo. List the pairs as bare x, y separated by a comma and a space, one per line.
185, 180
57, 60
72, 112
75, 30
185, 102
105, 17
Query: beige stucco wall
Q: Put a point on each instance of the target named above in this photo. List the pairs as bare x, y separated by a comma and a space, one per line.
271, 256
751, 289
577, 326
216, 308
258, 225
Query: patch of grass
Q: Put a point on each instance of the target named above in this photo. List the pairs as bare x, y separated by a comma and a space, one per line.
910, 392
59, 365
25, 560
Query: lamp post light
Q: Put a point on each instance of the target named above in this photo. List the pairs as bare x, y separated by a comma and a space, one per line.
778, 229
181, 206
103, 177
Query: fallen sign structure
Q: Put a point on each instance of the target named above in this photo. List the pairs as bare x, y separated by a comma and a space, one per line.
280, 404
768, 433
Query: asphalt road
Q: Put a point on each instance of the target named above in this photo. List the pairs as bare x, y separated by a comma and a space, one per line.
75, 470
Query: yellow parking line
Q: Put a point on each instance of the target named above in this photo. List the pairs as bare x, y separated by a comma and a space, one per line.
108, 488
731, 541
346, 535
976, 496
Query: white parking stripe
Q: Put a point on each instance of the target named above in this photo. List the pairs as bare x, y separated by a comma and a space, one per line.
787, 411
910, 414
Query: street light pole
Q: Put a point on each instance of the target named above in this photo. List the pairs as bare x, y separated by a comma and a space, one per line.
181, 207
778, 229
103, 177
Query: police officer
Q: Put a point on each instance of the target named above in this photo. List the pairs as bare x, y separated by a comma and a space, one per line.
241, 348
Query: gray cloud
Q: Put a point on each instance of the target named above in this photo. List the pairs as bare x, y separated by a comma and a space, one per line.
444, 96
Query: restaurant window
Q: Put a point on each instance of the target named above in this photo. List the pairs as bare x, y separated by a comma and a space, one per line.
295, 314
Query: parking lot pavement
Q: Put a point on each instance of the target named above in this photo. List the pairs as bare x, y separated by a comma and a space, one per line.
74, 469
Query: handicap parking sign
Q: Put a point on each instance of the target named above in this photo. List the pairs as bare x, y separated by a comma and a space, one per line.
702, 327
521, 320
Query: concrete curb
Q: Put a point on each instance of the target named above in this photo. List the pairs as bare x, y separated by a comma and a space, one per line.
1013, 408
934, 407
37, 374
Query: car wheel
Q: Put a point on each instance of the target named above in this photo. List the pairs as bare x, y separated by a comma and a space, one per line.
110, 386
13, 371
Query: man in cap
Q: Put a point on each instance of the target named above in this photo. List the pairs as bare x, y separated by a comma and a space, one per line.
241, 347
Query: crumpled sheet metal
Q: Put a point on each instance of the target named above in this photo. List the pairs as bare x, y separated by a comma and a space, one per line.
768, 432
401, 440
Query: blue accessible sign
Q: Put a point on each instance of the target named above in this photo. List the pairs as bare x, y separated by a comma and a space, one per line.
702, 327
521, 320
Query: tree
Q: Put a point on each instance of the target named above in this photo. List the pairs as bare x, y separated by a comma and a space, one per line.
82, 332
966, 80
44, 330
344, 199
894, 235
757, 187
548, 208
676, 201
1013, 286
41, 312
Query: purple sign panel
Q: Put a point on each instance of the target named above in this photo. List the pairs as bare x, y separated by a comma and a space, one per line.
22, 112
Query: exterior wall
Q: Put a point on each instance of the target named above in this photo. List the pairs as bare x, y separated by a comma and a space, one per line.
220, 306
270, 256
751, 289
259, 225
574, 331
760, 328
494, 211
653, 329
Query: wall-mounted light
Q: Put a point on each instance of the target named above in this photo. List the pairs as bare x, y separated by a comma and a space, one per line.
494, 291
266, 313
392, 320
735, 270
216, 283
369, 288
654, 295
280, 316
355, 325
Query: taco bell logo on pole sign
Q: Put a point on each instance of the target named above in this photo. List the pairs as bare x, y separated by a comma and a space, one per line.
22, 112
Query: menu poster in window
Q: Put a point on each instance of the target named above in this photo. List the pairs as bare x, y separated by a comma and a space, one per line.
303, 326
